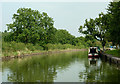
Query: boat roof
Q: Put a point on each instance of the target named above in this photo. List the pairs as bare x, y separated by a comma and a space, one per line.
93, 47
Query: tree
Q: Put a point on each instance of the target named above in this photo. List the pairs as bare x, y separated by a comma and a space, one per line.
114, 29
96, 28
64, 37
30, 26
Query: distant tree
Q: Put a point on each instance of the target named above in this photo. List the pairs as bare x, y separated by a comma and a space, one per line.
89, 39
30, 26
64, 37
80, 41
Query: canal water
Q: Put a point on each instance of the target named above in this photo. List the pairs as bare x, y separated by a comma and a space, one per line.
59, 67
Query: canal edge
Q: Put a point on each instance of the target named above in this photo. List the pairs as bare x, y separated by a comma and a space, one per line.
110, 58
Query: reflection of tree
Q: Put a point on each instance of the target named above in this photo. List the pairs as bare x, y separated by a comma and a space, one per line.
102, 73
39, 68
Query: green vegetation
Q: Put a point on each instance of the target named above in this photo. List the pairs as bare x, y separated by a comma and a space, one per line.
16, 49
32, 31
114, 27
114, 52
30, 26
96, 28
105, 28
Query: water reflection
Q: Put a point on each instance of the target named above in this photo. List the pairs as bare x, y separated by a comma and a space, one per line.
98, 71
65, 67
93, 61
37, 68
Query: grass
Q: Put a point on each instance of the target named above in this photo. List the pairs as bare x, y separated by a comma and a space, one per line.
62, 46
115, 53
16, 49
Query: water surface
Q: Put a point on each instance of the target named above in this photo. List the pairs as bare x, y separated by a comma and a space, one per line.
60, 67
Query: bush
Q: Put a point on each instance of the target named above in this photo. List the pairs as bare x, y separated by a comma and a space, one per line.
38, 47
66, 46
62, 46
17, 46
12, 46
30, 46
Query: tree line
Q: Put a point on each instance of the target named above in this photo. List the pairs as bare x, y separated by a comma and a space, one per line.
31, 26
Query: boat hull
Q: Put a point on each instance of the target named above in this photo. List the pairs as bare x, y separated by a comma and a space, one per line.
93, 55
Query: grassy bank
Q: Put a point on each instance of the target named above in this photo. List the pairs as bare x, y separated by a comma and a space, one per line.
17, 49
114, 52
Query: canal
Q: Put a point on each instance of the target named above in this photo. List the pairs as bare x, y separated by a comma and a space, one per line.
59, 67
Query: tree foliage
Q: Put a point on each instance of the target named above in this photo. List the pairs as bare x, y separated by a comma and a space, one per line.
114, 29
30, 26
96, 28
64, 37
106, 27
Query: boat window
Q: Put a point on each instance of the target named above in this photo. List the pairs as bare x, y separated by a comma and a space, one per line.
93, 50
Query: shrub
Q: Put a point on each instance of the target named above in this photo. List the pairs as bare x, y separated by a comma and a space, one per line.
62, 46
17, 46
30, 47
38, 47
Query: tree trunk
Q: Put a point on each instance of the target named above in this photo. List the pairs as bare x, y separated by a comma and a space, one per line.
103, 48
103, 44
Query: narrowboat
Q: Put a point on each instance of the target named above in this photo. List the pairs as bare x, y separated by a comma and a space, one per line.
93, 52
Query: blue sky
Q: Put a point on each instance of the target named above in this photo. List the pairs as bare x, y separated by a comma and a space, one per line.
66, 15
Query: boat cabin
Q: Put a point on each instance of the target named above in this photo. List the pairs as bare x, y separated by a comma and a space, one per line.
93, 52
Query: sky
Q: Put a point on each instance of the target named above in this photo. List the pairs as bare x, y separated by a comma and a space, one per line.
66, 14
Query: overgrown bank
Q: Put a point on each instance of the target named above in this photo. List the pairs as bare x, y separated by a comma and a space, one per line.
34, 51
17, 49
